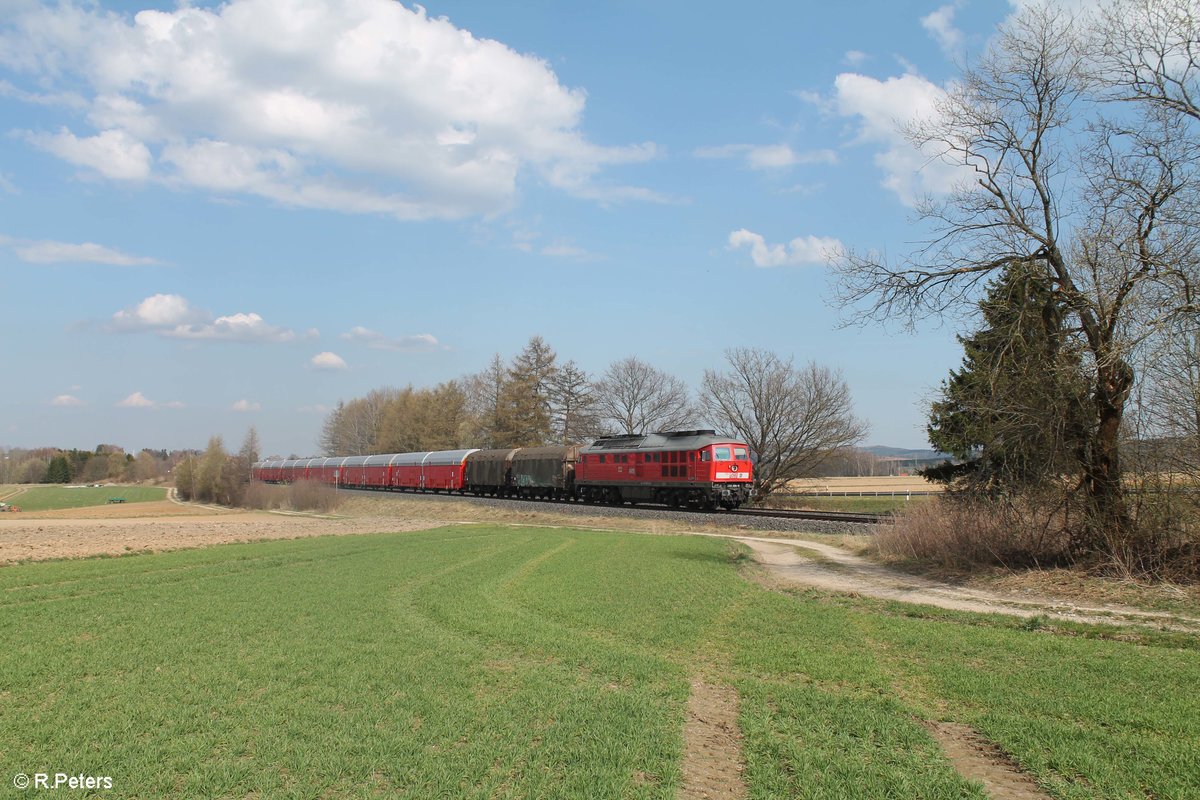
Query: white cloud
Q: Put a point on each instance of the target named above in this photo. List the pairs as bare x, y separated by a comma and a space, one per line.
66, 401
881, 108
799, 251
136, 400
327, 360
854, 58
767, 157
239, 327
114, 154
379, 341
364, 106
157, 311
246, 405
940, 25
174, 404
171, 316
50, 252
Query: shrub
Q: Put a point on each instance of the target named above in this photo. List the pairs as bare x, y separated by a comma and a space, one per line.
960, 533
263, 496
313, 496
298, 496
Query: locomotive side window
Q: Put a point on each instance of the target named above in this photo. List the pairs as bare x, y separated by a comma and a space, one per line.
601, 459
706, 456
692, 456
722, 453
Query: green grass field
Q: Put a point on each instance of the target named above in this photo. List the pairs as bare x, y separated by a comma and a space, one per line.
47, 498
498, 662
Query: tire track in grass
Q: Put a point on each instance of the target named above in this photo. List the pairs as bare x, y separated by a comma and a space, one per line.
982, 760
712, 766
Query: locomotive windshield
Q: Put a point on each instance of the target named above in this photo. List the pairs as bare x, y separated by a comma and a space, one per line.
722, 452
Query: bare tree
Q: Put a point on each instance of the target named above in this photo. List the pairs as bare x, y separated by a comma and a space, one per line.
1148, 51
353, 428
1102, 205
639, 398
484, 408
573, 405
793, 419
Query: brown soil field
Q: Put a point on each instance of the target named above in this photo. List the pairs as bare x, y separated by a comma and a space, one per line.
76, 533
882, 483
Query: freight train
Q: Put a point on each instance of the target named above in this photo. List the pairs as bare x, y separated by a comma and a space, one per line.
694, 469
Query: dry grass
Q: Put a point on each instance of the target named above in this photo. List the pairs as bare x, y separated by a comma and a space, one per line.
963, 534
298, 496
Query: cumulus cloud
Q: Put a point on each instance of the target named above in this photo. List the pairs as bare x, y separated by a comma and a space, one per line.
171, 316
66, 401
136, 400
51, 252
327, 360
363, 106
380, 341
246, 405
768, 157
881, 108
799, 251
156, 311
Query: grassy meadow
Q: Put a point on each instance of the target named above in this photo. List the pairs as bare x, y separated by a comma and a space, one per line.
49, 498
487, 662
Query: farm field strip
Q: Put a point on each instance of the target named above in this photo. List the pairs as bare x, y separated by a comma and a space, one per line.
481, 662
47, 498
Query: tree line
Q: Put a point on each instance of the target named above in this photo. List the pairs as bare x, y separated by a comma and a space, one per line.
795, 419
107, 462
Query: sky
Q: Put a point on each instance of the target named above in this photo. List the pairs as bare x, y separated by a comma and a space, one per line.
214, 216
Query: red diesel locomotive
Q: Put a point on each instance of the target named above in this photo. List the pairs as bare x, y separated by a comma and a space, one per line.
696, 469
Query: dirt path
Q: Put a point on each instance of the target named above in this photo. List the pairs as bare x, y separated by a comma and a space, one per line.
834, 569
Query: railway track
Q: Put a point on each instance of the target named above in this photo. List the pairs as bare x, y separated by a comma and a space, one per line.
852, 517
861, 517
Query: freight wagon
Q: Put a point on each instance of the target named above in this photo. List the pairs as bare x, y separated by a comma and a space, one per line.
694, 468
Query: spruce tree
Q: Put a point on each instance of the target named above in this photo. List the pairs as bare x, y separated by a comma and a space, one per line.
1016, 412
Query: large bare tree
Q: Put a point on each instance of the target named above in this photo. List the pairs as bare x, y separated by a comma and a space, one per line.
793, 419
1099, 194
639, 398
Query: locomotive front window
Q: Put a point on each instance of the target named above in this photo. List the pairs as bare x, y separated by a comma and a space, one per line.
721, 453
740, 453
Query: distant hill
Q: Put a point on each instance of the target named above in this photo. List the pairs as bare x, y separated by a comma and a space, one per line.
905, 454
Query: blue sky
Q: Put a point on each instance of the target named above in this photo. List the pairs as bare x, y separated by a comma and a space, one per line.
216, 216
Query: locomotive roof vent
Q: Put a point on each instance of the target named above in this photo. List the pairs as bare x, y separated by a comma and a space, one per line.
676, 434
